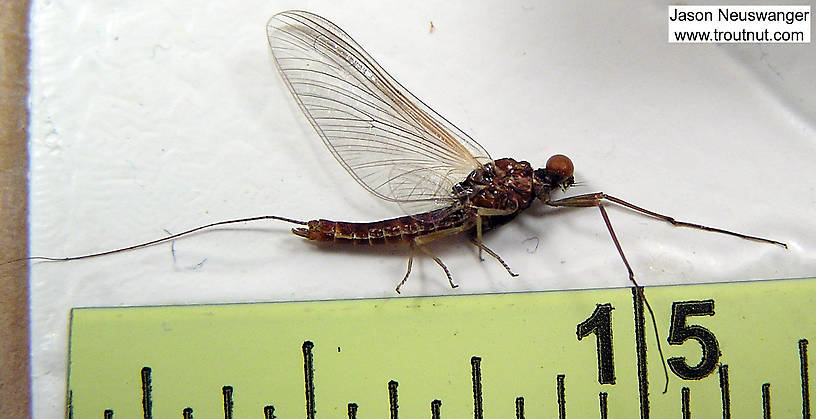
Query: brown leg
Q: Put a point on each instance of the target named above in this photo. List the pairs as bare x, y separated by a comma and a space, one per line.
438, 262
480, 212
479, 235
594, 200
481, 246
414, 244
408, 272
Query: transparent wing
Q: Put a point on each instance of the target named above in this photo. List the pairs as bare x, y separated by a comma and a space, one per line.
387, 139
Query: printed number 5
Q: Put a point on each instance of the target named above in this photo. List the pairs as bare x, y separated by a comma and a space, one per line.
680, 332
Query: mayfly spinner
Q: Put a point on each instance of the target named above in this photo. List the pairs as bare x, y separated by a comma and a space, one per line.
402, 151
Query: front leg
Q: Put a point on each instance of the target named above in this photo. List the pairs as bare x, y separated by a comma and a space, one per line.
596, 199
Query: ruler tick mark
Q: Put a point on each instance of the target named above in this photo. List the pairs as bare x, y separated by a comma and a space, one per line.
436, 409
725, 392
766, 401
476, 374
228, 403
640, 345
147, 398
602, 399
562, 402
519, 407
308, 373
803, 368
352, 410
684, 402
392, 398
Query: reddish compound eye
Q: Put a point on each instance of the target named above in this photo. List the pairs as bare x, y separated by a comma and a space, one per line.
561, 165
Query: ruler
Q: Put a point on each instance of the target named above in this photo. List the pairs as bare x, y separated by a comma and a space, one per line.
733, 350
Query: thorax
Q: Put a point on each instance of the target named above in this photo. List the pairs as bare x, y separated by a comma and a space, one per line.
504, 184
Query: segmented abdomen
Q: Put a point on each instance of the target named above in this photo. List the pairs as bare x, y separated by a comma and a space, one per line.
393, 230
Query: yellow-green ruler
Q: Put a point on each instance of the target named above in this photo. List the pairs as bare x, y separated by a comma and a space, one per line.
734, 350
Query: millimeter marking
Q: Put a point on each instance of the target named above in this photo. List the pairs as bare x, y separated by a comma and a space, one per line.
519, 407
147, 398
562, 402
436, 409
228, 403
476, 376
766, 401
803, 368
308, 372
269, 412
640, 343
392, 399
725, 394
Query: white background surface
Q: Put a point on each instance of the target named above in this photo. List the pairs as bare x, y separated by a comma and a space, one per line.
149, 117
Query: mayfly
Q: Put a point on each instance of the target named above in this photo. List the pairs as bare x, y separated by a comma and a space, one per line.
402, 151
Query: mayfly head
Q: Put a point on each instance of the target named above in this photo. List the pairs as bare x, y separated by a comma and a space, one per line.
556, 174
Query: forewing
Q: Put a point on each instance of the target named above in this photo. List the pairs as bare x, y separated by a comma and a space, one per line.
387, 139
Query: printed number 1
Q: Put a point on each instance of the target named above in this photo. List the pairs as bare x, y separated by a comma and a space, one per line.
600, 323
